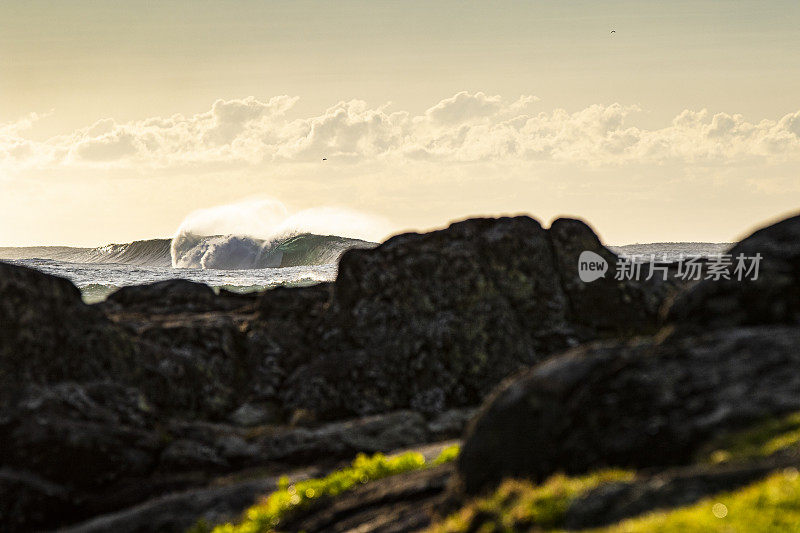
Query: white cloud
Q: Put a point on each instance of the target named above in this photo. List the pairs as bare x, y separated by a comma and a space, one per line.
463, 128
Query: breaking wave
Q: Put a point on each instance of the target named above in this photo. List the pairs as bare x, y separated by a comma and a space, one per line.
249, 234
233, 252
261, 232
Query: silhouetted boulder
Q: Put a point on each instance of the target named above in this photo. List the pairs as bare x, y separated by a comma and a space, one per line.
168, 293
772, 298
648, 403
47, 333
165, 386
434, 321
728, 357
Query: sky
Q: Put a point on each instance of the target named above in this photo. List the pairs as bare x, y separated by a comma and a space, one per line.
118, 119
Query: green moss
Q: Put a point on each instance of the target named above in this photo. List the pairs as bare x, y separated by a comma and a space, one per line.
275, 508
761, 440
770, 505
447, 455
520, 505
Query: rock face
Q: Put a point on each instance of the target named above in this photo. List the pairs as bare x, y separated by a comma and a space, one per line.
177, 294
166, 386
772, 298
436, 320
729, 358
640, 405
48, 335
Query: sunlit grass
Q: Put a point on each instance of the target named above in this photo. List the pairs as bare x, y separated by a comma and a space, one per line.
771, 505
521, 505
275, 508
761, 440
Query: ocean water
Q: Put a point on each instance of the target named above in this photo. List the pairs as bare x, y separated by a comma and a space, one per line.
235, 263
671, 251
96, 281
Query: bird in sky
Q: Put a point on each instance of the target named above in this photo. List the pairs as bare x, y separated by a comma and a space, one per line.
613, 31
324, 158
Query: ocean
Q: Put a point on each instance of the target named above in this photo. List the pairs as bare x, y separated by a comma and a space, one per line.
236, 263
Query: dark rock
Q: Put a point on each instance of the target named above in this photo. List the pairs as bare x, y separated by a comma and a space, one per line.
341, 440
179, 511
643, 404
248, 415
450, 424
772, 298
605, 307
47, 334
434, 321
105, 405
27, 501
199, 363
289, 318
64, 446
206, 359
103, 442
184, 454
169, 292
69, 443
345, 439
175, 295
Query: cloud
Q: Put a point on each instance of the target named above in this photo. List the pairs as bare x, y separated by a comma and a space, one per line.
465, 107
464, 128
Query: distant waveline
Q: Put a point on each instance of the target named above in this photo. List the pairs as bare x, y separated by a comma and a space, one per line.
230, 252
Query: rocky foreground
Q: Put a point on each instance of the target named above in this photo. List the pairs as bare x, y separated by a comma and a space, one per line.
169, 404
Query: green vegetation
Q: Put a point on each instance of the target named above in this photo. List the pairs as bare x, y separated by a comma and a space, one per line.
760, 440
289, 498
772, 504
520, 505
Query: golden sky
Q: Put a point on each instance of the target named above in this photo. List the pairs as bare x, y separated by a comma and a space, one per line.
117, 119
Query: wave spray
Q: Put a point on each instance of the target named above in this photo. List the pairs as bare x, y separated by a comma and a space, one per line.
262, 233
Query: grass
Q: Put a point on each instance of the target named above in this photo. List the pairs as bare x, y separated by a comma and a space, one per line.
772, 504
761, 440
289, 498
520, 505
